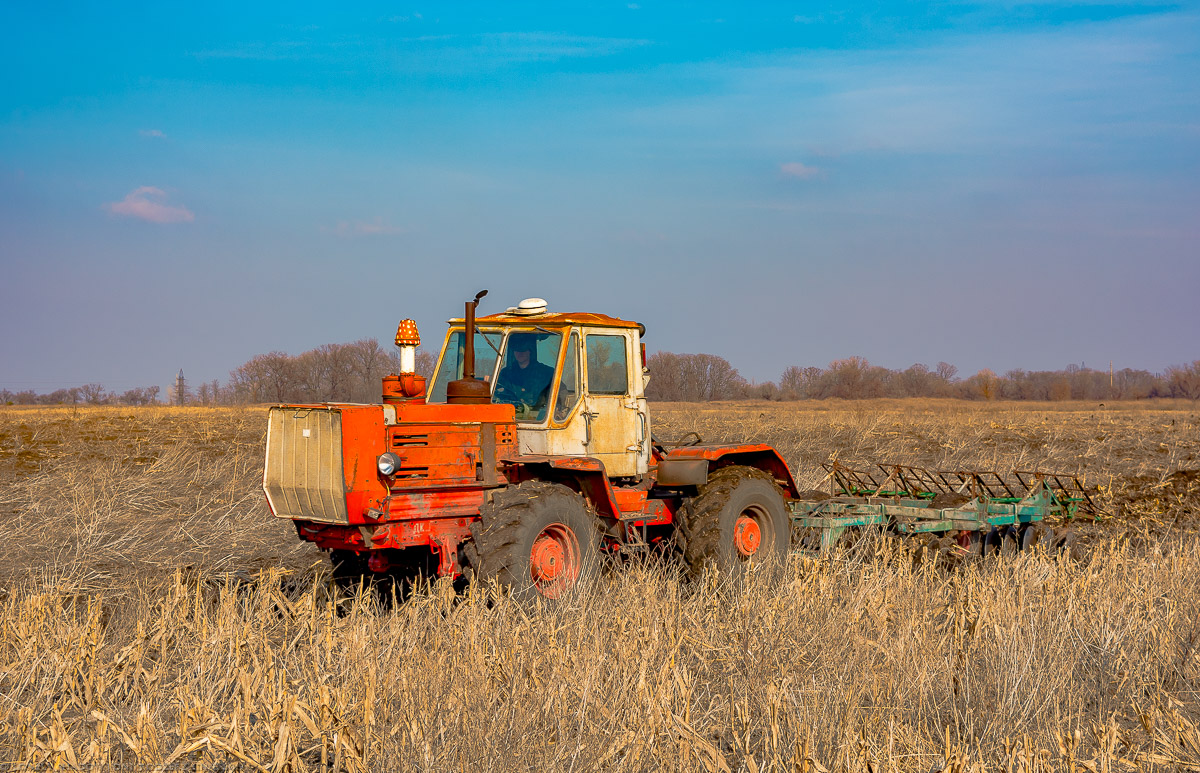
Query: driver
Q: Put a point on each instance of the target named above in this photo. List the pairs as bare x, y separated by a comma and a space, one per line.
523, 378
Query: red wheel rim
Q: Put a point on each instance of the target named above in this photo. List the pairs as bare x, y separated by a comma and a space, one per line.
747, 534
554, 560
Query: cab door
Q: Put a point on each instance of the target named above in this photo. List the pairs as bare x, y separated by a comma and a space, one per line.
616, 426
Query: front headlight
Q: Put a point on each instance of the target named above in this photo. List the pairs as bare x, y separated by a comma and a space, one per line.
387, 463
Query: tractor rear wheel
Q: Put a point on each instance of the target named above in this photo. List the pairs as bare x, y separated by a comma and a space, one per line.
538, 539
736, 522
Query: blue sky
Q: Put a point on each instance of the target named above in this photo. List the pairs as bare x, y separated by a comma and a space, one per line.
994, 185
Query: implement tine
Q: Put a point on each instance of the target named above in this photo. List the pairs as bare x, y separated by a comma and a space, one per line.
1091, 506
866, 480
892, 473
1066, 488
919, 481
968, 480
1004, 483
928, 480
837, 477
911, 478
985, 484
834, 475
950, 488
851, 480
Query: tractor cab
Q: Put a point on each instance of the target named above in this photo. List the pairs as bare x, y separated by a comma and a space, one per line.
576, 381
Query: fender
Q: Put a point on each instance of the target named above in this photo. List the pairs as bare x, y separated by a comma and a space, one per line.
586, 473
759, 455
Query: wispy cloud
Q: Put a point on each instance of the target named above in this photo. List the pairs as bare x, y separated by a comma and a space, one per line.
270, 51
801, 171
152, 133
375, 227
542, 46
148, 203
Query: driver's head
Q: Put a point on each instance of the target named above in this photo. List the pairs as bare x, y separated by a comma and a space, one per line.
523, 350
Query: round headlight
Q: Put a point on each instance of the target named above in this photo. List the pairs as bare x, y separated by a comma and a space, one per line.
387, 463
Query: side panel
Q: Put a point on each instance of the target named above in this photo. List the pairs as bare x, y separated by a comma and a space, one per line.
363, 428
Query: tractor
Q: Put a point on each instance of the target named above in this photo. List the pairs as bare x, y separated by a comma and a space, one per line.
527, 459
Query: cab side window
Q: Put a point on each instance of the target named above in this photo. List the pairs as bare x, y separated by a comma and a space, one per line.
568, 386
606, 365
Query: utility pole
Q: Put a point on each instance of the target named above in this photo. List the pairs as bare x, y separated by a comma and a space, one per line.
180, 388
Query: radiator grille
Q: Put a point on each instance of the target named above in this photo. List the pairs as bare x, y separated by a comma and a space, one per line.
303, 477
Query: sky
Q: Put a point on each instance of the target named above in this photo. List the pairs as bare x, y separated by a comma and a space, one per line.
994, 185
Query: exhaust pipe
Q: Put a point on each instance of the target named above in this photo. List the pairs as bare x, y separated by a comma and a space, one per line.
469, 390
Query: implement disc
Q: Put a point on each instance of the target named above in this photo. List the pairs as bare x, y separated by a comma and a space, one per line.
1067, 545
1037, 536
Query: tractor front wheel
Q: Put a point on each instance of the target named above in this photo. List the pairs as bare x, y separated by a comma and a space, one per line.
738, 520
537, 538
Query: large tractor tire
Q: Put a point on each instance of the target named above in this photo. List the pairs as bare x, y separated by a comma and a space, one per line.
736, 522
539, 539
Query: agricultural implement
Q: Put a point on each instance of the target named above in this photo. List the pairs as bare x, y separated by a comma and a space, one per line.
957, 512
528, 457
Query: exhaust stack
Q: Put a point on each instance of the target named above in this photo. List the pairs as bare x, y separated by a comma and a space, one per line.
469, 390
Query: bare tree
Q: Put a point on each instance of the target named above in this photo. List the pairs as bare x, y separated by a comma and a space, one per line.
798, 383
1184, 380
139, 396
93, 394
982, 386
692, 378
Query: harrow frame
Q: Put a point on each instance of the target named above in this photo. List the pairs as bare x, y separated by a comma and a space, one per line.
901, 499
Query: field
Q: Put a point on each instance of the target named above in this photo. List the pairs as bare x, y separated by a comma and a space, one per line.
152, 613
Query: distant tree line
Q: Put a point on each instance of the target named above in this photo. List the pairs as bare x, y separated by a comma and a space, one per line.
88, 394
703, 377
333, 372
352, 372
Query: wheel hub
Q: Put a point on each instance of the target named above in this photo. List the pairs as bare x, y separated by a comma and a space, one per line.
554, 560
747, 535
547, 559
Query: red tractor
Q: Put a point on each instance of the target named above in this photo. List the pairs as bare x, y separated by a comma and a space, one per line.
527, 458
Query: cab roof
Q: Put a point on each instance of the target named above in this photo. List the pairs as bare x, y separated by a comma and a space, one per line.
550, 319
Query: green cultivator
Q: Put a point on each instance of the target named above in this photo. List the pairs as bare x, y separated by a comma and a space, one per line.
956, 512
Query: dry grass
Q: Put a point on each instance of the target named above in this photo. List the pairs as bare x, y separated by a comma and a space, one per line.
113, 653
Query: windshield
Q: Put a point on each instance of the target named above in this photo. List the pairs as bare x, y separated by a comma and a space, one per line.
526, 376
487, 343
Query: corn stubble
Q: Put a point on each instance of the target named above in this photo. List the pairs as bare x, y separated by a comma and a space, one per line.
153, 615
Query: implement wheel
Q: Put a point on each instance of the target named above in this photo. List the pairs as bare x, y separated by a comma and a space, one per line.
737, 521
1037, 536
537, 538
1067, 546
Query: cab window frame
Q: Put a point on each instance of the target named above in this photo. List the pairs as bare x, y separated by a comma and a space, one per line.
625, 345
489, 378
556, 365
575, 335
